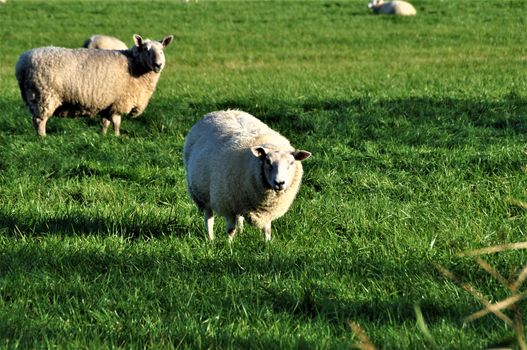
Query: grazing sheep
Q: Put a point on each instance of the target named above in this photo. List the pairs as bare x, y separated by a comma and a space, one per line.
239, 167
85, 82
401, 8
104, 42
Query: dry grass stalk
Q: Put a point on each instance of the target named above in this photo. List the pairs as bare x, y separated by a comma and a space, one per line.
510, 302
518, 327
518, 203
506, 303
364, 342
468, 287
493, 272
521, 277
495, 249
513, 287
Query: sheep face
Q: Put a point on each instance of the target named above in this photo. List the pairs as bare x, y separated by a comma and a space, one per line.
278, 166
150, 53
375, 4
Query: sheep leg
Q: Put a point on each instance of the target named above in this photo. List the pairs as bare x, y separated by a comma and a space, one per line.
231, 227
41, 112
239, 223
267, 232
105, 122
209, 223
116, 120
39, 123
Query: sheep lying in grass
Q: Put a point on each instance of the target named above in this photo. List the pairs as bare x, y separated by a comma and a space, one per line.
401, 8
104, 42
239, 167
72, 82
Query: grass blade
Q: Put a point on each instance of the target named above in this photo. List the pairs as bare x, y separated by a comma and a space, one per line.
423, 327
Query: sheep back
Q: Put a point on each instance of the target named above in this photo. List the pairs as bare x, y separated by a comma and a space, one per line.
104, 42
225, 176
396, 7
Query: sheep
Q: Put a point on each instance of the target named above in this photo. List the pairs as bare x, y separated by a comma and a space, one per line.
72, 82
401, 8
104, 42
240, 168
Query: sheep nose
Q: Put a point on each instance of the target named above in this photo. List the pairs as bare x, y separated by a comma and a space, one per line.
279, 185
157, 67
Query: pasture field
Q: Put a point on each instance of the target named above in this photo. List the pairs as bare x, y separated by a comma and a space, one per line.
418, 132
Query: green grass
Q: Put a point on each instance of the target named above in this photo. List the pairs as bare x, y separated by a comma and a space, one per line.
418, 131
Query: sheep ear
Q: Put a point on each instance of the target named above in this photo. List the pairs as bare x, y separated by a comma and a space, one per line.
167, 40
259, 151
138, 40
301, 155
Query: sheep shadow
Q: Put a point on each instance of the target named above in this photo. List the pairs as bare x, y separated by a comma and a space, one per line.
318, 117
15, 119
315, 117
316, 302
84, 224
368, 115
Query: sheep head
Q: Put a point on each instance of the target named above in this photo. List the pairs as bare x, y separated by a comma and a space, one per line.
278, 166
150, 52
375, 4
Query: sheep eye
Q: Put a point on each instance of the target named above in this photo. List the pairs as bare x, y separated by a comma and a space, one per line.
267, 161
293, 162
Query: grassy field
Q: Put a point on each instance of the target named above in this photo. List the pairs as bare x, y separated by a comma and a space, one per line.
418, 131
